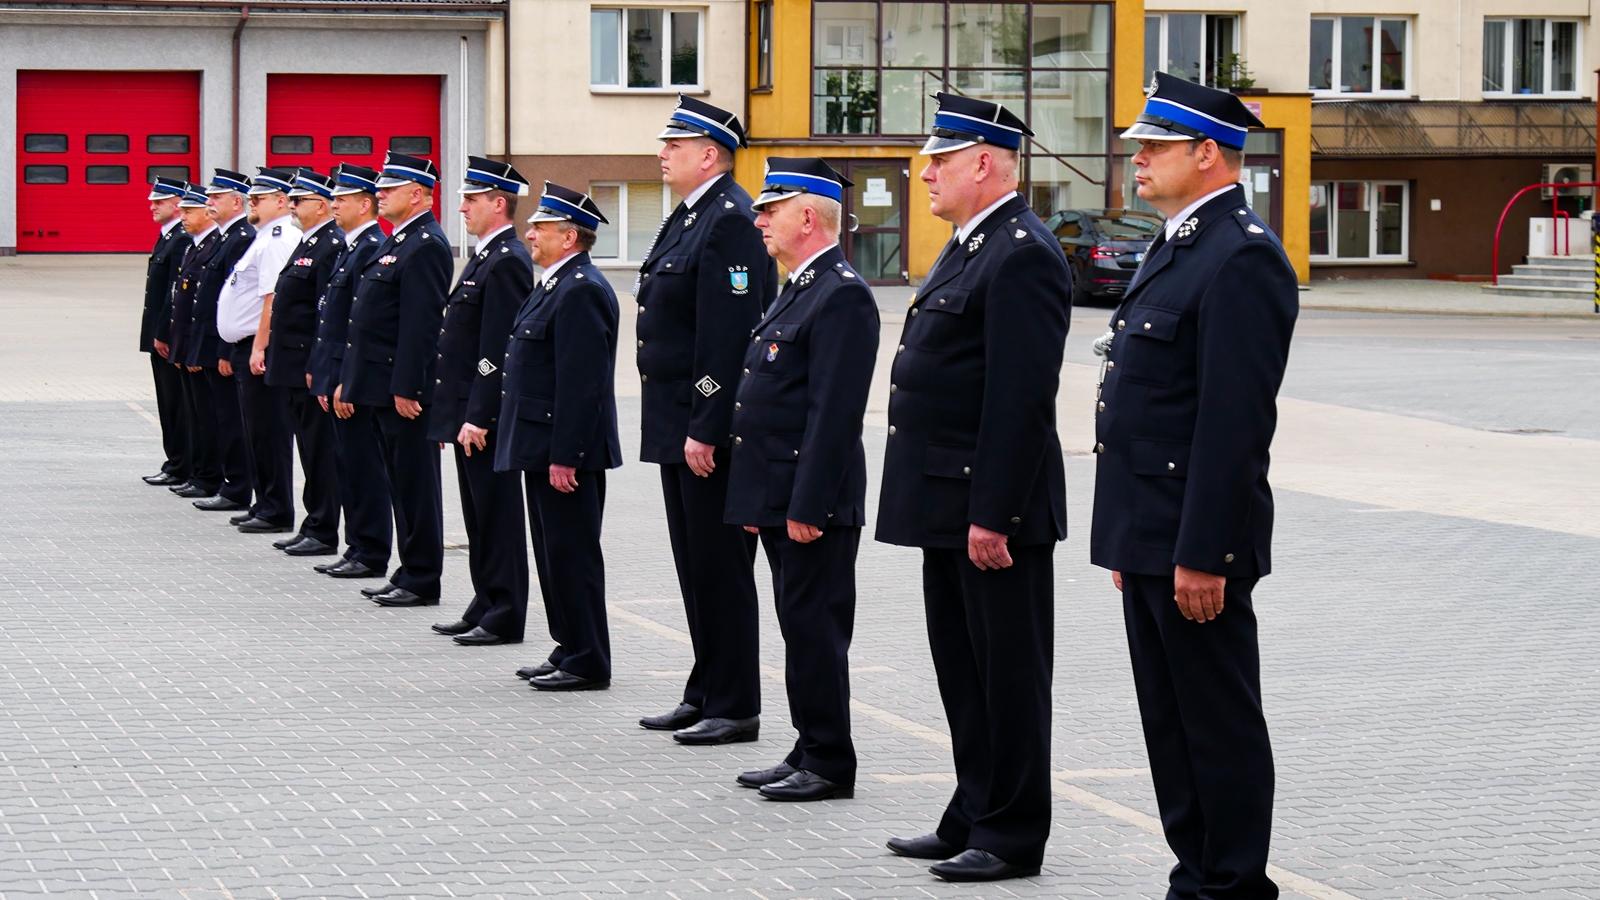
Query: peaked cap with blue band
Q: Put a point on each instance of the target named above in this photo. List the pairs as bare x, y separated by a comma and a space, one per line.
963, 121
1178, 110
399, 169
353, 179
224, 181
194, 197
694, 118
167, 188
488, 175
559, 204
311, 183
791, 177
268, 180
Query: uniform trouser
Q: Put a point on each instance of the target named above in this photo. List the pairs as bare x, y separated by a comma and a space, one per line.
497, 543
170, 410
313, 436
716, 572
271, 437
412, 462
565, 529
1199, 688
364, 488
205, 470
815, 588
992, 637
233, 450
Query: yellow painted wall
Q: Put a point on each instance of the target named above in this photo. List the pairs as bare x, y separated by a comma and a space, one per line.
1292, 113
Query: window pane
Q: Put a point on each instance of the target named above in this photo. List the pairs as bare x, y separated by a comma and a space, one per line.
1563, 56
1355, 53
106, 143
166, 143
764, 44
44, 143
106, 175
644, 47
350, 145
411, 146
44, 174
1322, 54
1000, 87
1220, 43
1321, 192
1527, 56
1183, 45
1391, 216
685, 48
1071, 119
845, 101
1268, 143
1392, 58
644, 216
1494, 56
913, 34
1071, 37
1069, 183
1152, 47
1354, 220
607, 238
846, 34
291, 144
178, 173
988, 34
908, 103
605, 26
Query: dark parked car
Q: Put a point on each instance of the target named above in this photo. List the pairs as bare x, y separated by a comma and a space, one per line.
1104, 247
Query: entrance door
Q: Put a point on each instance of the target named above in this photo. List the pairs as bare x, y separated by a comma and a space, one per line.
1262, 176
877, 248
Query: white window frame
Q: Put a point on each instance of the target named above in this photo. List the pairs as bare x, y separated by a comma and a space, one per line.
625, 254
1372, 224
1377, 54
1549, 57
621, 86
1205, 35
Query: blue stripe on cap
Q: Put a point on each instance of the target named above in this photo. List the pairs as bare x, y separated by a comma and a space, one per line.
406, 173
720, 133
356, 181
229, 184
1222, 132
316, 187
570, 211
991, 132
504, 184
813, 184
169, 190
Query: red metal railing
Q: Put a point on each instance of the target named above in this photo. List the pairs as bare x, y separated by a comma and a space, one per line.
1556, 215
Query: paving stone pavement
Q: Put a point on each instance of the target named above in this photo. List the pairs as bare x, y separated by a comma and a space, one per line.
185, 712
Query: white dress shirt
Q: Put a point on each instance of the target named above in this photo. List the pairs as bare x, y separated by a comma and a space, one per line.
697, 193
484, 240
966, 230
255, 276
550, 273
197, 238
1180, 218
171, 223
809, 260
350, 237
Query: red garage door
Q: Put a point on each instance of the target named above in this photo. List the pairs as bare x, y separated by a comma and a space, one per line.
88, 146
320, 120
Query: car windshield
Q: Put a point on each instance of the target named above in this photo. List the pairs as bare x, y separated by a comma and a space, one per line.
1126, 229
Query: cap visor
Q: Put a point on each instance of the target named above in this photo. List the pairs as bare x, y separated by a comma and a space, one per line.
676, 131
937, 144
157, 195
1144, 131
472, 188
389, 181
542, 216
773, 197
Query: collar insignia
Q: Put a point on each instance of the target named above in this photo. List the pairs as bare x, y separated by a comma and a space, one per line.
313, 240
806, 277
277, 231
399, 237
551, 284
1188, 227
689, 219
975, 243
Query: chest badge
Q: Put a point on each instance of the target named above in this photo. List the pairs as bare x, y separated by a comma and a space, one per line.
772, 352
485, 368
739, 280
975, 243
1188, 227
706, 386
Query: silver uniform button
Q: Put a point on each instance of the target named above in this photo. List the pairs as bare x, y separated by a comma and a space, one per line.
1015, 520
1147, 326
1099, 448
644, 377
966, 470
900, 349
738, 440
1110, 364
1121, 323
913, 312
1228, 558
747, 371
1102, 406
797, 453
1171, 466
738, 405
891, 429
894, 388
641, 309
641, 343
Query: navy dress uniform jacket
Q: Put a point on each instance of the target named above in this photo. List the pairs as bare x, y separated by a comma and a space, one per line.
299, 292
190, 266
161, 273
1189, 402
559, 394
797, 451
394, 319
702, 288
477, 325
205, 347
333, 312
972, 414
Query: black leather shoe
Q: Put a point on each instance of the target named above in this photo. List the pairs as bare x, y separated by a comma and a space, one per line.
326, 567
764, 777
218, 503
720, 731
288, 542
803, 786
926, 847
241, 518
980, 865
477, 637
375, 590
566, 681
162, 479
682, 717
402, 597
308, 546
258, 525
351, 568
192, 491
459, 626
529, 673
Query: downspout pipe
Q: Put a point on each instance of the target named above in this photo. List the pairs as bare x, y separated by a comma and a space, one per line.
505, 71
244, 16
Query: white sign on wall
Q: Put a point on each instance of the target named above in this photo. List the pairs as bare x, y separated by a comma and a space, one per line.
877, 193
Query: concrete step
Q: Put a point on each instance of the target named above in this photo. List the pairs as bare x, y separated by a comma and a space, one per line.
1520, 280
1510, 290
1552, 271
1579, 261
